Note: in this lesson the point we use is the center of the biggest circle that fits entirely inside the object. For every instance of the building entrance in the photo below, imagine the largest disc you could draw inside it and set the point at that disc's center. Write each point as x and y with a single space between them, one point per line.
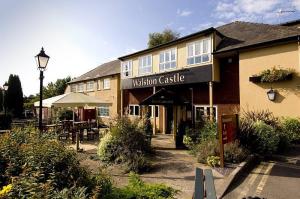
169 119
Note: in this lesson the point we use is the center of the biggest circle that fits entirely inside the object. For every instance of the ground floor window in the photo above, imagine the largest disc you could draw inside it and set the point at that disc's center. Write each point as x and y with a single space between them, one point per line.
202 112
134 110
103 111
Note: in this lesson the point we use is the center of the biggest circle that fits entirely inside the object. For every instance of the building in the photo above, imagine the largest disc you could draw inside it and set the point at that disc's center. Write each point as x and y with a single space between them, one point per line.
206 74
102 82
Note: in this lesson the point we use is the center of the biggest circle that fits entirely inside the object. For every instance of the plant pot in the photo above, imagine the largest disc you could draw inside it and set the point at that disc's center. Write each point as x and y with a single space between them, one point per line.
255 79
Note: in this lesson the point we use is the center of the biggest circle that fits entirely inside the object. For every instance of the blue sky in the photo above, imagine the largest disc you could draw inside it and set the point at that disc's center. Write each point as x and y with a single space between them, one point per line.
78 35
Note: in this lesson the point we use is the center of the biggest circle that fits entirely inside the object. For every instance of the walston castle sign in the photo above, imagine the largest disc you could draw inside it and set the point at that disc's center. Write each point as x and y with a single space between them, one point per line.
185 76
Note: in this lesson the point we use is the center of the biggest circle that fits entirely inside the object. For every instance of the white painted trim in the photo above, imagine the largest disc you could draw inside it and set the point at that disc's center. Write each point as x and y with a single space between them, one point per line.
139 59
205 106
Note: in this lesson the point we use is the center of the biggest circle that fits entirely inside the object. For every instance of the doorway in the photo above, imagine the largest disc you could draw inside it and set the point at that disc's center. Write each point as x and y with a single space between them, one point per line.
169 119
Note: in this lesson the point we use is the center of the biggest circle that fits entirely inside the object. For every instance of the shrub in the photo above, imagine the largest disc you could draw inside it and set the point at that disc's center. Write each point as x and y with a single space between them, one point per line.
65 115
141 190
213 161
267 138
205 149
5 121
291 128
234 152
275 74
126 143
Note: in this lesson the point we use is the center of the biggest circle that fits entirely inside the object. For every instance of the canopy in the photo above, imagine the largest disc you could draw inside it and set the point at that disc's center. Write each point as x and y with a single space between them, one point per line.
164 97
78 100
49 102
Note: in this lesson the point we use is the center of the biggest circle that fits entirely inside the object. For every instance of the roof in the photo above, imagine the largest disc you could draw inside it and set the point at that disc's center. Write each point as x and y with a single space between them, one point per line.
291 23
48 102
78 99
188 37
245 34
106 69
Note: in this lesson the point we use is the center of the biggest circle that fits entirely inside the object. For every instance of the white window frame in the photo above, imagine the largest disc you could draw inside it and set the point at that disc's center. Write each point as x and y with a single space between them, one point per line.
106 83
152 110
134 107
206 108
73 88
201 54
90 86
103 107
80 87
168 62
141 66
126 72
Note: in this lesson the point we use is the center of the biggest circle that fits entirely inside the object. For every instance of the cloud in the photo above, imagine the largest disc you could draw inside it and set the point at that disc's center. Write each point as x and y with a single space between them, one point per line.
202 26
184 12
253 10
181 28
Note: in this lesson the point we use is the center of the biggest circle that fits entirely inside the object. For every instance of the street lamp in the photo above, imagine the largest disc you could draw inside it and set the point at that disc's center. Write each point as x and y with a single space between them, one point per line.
42 61
5 87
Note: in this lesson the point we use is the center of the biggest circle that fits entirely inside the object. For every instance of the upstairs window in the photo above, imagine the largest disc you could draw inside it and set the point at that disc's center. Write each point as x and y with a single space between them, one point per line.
73 88
145 64
167 60
126 68
80 87
199 51
134 110
106 83
90 86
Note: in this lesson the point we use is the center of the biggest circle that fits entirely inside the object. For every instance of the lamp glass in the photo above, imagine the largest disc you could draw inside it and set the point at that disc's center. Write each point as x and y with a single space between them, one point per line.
271 95
5 86
42 60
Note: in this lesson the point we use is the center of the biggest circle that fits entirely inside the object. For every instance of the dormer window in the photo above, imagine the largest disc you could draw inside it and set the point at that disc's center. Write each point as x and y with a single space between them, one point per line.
199 51
145 64
126 67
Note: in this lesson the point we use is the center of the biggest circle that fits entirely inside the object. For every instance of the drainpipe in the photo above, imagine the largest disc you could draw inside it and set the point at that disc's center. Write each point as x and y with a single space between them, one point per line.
154 113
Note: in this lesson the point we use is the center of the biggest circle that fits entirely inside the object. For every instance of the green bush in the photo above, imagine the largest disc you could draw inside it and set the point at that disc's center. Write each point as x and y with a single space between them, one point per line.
65 115
275 74
213 161
234 152
291 128
205 149
140 190
126 143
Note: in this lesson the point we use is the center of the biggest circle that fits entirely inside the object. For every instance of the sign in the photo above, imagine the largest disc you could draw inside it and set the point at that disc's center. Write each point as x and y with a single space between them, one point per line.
228 128
185 76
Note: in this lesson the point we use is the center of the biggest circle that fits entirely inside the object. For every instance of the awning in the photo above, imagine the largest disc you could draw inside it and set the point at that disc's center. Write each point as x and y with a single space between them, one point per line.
164 97
78 100
49 102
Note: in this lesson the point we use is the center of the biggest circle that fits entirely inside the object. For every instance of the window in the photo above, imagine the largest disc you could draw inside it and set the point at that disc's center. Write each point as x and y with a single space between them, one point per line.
98 85
103 111
167 60
134 110
156 111
199 51
145 64
80 87
126 68
203 112
90 86
73 88
106 83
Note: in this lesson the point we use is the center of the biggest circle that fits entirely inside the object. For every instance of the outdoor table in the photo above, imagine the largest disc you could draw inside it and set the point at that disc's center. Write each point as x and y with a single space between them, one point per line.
52 127
4 131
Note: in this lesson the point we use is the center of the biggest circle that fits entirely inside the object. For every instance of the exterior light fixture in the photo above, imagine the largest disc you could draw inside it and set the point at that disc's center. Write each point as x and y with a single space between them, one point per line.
5 86
271 94
42 61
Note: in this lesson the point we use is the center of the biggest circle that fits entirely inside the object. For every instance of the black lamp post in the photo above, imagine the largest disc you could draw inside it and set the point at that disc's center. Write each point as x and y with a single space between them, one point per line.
42 61
5 86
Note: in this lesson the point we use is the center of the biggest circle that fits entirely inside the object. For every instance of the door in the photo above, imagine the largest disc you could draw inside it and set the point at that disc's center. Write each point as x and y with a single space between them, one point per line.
169 119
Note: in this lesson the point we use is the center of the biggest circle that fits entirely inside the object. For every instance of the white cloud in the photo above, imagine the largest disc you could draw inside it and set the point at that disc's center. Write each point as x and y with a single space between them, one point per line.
181 28
184 12
202 26
253 10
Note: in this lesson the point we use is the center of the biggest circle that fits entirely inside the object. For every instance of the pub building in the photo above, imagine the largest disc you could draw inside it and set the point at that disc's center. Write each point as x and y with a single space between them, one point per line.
206 75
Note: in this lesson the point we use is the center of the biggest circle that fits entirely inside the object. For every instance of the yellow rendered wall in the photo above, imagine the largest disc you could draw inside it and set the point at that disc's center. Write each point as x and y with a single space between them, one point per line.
181 57
253 96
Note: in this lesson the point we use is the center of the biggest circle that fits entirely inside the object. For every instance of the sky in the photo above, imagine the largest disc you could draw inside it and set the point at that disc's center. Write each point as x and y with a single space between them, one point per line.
79 35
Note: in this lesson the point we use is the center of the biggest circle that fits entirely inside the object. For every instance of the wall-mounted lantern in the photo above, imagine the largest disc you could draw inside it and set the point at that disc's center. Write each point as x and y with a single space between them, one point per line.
271 94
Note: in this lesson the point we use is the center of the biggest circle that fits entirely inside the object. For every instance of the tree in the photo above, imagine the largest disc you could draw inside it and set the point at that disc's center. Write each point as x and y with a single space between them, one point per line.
1 100
14 96
157 38
57 88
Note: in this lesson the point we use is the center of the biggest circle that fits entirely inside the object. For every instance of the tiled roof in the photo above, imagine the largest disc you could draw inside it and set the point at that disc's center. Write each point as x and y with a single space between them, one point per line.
106 69
245 34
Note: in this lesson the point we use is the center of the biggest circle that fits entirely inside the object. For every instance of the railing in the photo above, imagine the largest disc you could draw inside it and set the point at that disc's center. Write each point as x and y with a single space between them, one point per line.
204 184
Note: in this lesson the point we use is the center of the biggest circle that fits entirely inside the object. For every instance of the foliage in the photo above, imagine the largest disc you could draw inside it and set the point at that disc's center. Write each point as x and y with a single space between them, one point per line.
5 121
65 115
1 100
213 161
5 190
148 129
291 128
274 74
157 38
205 149
141 190
14 96
57 88
126 143
234 152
